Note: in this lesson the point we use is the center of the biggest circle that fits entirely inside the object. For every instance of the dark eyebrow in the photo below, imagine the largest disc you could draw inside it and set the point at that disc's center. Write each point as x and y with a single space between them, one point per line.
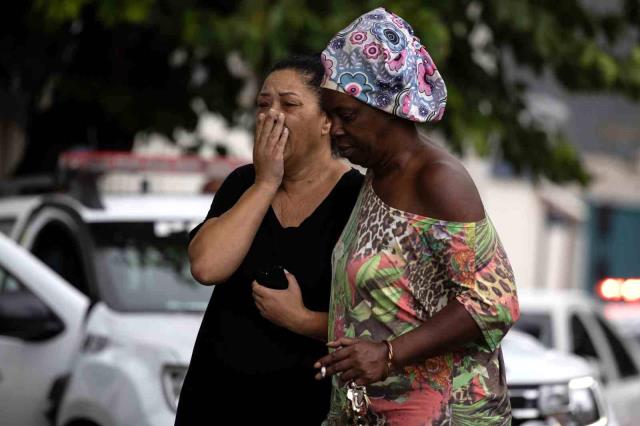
288 93
264 94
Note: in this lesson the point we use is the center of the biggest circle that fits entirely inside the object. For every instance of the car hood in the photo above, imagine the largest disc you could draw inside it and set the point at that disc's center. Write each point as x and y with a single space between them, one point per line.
528 362
173 332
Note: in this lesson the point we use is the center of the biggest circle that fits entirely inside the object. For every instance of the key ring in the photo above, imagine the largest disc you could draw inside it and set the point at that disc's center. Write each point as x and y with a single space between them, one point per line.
359 402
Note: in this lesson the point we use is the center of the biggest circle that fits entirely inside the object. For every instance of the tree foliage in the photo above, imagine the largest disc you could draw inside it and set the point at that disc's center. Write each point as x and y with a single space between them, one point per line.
95 72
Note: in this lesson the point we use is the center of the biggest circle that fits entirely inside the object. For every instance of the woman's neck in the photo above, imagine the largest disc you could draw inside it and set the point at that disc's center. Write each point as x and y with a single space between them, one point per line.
399 147
305 173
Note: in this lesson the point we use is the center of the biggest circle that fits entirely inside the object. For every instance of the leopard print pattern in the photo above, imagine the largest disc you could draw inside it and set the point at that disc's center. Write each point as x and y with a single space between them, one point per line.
392 271
381 228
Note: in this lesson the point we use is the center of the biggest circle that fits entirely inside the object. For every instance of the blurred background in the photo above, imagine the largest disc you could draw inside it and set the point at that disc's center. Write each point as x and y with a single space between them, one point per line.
120 118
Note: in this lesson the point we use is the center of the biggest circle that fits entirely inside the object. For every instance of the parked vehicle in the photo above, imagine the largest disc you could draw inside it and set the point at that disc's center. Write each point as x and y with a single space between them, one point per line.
108 344
41 332
107 367
128 301
571 322
126 368
550 387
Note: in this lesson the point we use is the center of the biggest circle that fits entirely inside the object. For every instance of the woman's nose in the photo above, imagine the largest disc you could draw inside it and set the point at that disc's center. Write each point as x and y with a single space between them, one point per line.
336 128
274 112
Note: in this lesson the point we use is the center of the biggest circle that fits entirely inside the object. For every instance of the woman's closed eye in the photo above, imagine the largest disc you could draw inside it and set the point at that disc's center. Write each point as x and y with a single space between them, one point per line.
263 104
346 117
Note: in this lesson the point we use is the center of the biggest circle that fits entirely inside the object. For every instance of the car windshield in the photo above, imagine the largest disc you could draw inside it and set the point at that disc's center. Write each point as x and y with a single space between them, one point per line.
144 267
537 325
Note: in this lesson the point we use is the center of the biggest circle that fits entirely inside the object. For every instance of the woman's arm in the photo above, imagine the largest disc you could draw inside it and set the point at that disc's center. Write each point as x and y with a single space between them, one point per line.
222 243
286 309
366 361
458 323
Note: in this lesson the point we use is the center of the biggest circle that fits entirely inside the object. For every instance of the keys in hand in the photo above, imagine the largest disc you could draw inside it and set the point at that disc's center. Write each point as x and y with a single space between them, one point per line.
358 403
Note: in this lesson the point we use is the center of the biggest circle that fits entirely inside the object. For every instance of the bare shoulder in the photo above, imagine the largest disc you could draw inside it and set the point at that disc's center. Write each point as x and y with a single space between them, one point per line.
446 191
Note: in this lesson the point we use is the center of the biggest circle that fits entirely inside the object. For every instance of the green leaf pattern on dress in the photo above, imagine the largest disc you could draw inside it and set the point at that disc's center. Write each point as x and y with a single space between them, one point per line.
392 270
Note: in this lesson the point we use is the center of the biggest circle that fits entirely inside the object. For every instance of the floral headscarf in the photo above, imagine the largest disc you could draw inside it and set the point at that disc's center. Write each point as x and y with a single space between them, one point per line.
379 61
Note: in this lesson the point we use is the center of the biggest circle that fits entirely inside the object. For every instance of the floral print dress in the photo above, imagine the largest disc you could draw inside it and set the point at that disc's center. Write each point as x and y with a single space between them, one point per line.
392 270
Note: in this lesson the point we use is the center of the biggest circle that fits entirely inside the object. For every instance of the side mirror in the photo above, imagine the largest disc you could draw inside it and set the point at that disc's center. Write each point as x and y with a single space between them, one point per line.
24 316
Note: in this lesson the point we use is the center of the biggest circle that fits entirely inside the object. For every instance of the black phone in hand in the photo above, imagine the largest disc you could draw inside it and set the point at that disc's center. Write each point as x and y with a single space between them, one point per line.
272 277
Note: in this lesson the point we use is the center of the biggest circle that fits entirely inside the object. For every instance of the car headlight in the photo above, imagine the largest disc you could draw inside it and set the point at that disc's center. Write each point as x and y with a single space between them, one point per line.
578 402
172 380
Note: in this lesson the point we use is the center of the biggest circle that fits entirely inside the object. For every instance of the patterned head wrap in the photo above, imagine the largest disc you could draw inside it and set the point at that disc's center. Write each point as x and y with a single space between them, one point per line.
379 61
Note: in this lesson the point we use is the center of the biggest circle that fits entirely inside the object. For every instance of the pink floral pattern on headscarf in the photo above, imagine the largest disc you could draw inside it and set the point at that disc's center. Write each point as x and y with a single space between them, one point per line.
423 82
328 66
358 37
397 61
402 78
372 50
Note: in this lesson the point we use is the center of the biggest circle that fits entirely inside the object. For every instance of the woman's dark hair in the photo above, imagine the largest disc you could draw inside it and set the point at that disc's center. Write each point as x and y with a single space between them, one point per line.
310 66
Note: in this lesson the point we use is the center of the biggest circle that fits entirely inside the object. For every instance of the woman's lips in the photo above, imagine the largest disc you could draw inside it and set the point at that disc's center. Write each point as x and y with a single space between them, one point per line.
344 150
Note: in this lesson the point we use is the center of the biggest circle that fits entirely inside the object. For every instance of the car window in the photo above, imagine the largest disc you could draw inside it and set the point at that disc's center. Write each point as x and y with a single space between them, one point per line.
6 225
8 284
582 344
58 248
624 361
144 266
537 325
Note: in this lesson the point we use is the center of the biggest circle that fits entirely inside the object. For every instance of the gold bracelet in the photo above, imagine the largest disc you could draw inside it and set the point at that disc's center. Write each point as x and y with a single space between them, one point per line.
389 356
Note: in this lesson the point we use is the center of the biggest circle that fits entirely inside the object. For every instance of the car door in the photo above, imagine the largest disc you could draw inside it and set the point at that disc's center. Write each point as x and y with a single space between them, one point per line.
583 345
624 389
590 340
41 330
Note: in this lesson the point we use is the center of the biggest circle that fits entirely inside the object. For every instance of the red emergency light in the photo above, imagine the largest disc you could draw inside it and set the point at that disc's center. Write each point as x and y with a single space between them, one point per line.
619 289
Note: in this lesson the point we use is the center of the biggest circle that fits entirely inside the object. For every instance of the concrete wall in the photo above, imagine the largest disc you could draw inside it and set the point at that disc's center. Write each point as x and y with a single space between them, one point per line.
543 253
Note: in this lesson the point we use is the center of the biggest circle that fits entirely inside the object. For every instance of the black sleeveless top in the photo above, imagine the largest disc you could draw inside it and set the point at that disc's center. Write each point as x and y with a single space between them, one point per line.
244 367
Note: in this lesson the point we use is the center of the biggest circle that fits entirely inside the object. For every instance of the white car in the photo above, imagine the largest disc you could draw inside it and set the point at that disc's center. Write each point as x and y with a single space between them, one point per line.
109 343
41 331
118 349
571 322
120 362
625 316
550 387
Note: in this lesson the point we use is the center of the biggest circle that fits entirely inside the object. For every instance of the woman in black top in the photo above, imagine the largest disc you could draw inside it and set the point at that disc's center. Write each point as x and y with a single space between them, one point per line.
253 358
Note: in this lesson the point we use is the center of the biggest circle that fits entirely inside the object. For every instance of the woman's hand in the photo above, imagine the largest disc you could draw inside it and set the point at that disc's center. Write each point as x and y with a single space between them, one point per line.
359 360
268 149
282 307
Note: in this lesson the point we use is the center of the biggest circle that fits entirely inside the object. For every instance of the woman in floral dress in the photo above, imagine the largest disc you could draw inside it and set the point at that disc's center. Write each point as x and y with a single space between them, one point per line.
422 290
